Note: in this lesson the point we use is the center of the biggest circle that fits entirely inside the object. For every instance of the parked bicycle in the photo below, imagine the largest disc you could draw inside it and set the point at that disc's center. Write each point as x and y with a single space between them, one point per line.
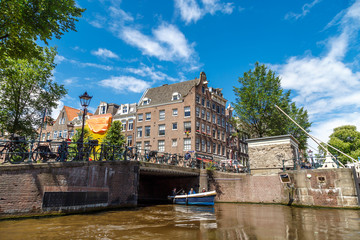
43 153
14 150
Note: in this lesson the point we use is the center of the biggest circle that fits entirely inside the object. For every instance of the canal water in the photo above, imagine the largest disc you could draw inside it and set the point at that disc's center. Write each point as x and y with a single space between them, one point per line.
223 221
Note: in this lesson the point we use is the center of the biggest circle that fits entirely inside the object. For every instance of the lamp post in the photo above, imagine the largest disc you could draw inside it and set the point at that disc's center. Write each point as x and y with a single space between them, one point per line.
85 101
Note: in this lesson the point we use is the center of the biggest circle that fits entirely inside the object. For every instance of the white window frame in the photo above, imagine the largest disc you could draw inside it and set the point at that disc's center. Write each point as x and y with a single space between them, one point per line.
187 144
161 145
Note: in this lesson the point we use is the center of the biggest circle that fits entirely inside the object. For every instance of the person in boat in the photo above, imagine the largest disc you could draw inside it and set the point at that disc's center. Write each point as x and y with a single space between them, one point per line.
173 192
191 191
203 190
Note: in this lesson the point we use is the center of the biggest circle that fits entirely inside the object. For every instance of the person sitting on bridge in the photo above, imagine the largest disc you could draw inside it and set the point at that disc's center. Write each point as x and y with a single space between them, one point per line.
191 191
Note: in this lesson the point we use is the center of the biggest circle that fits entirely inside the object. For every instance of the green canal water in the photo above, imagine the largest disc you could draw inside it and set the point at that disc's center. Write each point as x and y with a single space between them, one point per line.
223 221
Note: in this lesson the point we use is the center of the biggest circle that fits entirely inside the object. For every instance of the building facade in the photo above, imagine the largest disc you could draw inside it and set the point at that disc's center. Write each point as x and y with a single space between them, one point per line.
185 117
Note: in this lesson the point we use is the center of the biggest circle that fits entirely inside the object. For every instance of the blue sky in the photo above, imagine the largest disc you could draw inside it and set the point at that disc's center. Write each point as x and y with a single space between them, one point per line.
123 47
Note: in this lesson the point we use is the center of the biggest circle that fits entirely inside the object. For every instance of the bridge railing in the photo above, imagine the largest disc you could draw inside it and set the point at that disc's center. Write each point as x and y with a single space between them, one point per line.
19 150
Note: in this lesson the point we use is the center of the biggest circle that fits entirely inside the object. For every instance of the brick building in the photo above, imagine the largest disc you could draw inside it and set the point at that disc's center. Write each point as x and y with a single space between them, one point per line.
185 117
126 114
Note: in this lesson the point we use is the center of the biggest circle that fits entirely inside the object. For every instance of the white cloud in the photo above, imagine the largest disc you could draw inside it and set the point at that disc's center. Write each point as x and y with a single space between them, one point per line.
190 10
305 10
125 84
59 59
104 53
167 43
55 112
145 71
327 86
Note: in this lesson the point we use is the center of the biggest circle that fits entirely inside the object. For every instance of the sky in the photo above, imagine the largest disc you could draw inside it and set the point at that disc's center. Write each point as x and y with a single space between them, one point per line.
123 47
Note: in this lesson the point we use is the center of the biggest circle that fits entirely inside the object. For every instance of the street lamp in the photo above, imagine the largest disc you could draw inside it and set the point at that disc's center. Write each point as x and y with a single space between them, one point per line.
85 101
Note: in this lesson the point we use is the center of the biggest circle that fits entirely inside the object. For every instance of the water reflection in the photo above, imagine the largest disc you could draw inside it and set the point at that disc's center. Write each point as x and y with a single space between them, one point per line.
223 221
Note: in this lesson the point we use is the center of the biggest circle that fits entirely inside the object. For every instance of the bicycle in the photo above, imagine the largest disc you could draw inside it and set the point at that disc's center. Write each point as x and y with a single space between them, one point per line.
43 153
15 150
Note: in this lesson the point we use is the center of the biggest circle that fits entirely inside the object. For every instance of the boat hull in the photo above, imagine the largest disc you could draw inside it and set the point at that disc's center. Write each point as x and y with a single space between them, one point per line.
206 198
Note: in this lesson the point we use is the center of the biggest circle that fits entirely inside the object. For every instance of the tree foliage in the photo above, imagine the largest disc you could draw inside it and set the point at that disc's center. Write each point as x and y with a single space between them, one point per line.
26 88
346 139
23 22
114 135
260 90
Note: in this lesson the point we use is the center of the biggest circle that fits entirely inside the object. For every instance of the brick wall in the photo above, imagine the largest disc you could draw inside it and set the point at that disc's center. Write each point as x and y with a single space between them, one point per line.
246 188
37 189
323 187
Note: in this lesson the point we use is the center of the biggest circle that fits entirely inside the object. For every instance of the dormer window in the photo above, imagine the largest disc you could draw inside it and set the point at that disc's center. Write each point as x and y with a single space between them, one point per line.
103 109
146 101
124 109
175 96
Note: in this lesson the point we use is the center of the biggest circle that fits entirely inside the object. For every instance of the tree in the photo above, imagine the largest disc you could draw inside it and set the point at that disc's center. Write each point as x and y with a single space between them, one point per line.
255 107
26 88
23 22
346 139
114 135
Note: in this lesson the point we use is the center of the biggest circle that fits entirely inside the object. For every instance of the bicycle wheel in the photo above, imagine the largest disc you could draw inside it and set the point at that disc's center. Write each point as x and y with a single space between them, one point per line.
17 155
35 155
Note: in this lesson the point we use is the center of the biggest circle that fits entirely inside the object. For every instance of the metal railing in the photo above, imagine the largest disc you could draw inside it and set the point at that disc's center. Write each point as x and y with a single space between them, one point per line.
18 150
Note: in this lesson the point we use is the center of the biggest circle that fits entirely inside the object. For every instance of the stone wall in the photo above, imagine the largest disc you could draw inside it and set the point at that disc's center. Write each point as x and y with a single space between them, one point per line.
231 187
66 187
322 187
271 156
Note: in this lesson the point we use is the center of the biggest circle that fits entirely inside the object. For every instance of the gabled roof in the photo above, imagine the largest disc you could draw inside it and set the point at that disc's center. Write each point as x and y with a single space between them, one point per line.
73 112
163 94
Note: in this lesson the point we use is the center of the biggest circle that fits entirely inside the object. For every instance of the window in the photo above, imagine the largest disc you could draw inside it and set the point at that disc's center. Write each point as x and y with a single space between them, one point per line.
148 116
208 104
138 146
146 101
140 117
214 118
174 142
203 89
162 130
55 135
62 120
219 149
187 126
203 101
187 111
129 140
214 106
203 145
147 131
123 125
218 120
197 112
175 112
175 96
147 145
162 115
65 133
43 137
197 98
223 122
208 147
214 147
218 134
187 144
223 151
222 135
197 126
208 116
223 111
124 109
174 126
203 128
71 134
60 134
161 146
131 125
139 132
197 144
208 130
202 113
214 133
217 109
103 109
